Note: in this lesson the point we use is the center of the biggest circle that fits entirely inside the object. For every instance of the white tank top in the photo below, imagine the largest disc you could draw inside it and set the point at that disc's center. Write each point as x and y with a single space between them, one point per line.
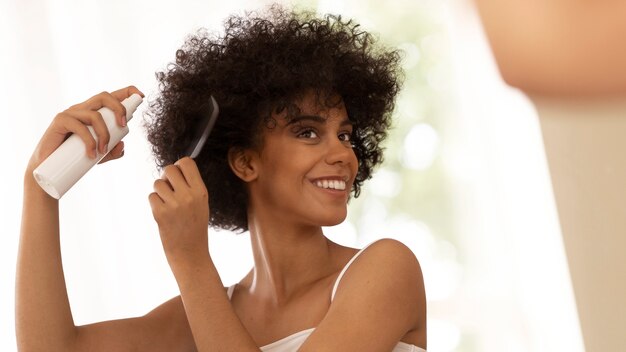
294 341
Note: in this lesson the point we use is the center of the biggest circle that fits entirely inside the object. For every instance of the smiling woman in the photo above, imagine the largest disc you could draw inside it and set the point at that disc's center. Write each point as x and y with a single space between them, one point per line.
305 103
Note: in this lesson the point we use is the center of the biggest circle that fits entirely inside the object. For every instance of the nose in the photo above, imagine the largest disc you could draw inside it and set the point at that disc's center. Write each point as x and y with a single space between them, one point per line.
339 152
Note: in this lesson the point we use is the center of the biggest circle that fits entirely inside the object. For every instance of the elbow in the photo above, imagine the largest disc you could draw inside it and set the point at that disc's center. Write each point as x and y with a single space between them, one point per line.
533 79
513 71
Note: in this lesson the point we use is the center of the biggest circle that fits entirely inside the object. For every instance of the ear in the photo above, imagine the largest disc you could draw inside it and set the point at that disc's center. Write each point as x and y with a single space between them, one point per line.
243 163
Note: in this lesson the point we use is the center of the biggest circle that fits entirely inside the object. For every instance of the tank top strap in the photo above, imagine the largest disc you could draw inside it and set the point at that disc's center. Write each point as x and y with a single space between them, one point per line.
230 290
345 268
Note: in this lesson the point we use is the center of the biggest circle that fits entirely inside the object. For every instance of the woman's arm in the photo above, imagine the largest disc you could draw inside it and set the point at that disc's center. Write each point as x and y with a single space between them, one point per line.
213 322
380 299
558 47
164 329
42 311
181 209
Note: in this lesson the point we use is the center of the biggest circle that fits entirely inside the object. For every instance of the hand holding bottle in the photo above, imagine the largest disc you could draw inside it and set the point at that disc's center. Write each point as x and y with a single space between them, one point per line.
79 120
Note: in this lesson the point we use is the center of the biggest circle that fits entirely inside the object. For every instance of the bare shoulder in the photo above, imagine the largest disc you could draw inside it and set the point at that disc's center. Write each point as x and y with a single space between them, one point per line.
397 274
388 260
382 292
391 250
165 328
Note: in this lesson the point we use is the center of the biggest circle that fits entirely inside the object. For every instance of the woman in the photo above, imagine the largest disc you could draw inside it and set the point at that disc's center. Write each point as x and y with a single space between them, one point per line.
304 105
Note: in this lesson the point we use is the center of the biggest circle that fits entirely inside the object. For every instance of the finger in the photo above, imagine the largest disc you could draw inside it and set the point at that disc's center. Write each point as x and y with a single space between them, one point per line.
155 202
124 93
94 118
164 190
105 99
115 153
173 174
73 125
189 169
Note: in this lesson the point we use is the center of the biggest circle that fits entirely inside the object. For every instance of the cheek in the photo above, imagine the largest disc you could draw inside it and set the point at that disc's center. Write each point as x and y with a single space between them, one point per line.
285 172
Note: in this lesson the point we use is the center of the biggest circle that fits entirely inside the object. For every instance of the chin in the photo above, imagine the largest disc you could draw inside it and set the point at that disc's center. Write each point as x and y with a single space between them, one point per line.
333 220
326 215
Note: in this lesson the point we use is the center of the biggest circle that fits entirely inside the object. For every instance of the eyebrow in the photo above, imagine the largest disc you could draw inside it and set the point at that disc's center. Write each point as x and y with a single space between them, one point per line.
316 119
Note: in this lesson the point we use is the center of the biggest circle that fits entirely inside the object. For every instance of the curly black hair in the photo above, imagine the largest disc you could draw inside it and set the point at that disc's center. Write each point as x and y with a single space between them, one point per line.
260 65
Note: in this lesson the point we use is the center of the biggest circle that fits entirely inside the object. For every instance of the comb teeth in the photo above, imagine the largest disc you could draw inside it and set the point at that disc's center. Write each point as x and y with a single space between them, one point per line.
203 130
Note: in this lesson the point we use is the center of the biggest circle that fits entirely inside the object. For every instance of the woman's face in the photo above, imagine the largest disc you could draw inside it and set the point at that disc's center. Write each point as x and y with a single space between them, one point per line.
307 165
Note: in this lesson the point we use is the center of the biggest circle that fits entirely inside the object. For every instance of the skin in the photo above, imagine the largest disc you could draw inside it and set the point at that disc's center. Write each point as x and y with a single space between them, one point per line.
287 291
566 48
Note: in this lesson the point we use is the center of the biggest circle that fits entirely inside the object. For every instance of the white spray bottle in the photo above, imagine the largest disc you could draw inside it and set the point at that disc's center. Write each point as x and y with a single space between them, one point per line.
69 162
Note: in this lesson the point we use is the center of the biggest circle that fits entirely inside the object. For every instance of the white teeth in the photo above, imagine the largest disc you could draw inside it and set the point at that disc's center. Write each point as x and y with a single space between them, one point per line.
331 184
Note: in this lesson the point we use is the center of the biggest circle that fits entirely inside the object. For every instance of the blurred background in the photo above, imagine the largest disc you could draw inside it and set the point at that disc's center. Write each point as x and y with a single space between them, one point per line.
465 182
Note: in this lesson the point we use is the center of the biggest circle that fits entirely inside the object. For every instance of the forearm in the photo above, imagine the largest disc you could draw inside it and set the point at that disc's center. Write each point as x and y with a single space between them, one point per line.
43 319
214 324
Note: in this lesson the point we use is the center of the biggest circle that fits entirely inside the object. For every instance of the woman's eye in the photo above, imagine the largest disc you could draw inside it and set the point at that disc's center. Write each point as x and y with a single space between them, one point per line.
345 137
307 134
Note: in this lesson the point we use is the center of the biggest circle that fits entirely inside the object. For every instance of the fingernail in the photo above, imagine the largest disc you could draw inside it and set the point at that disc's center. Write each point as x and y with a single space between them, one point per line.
123 121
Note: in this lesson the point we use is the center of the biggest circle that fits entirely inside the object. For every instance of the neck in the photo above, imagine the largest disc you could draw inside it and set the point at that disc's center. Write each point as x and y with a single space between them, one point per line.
287 258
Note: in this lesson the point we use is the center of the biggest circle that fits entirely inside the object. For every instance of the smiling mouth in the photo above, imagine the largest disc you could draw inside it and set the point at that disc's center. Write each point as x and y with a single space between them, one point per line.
331 184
